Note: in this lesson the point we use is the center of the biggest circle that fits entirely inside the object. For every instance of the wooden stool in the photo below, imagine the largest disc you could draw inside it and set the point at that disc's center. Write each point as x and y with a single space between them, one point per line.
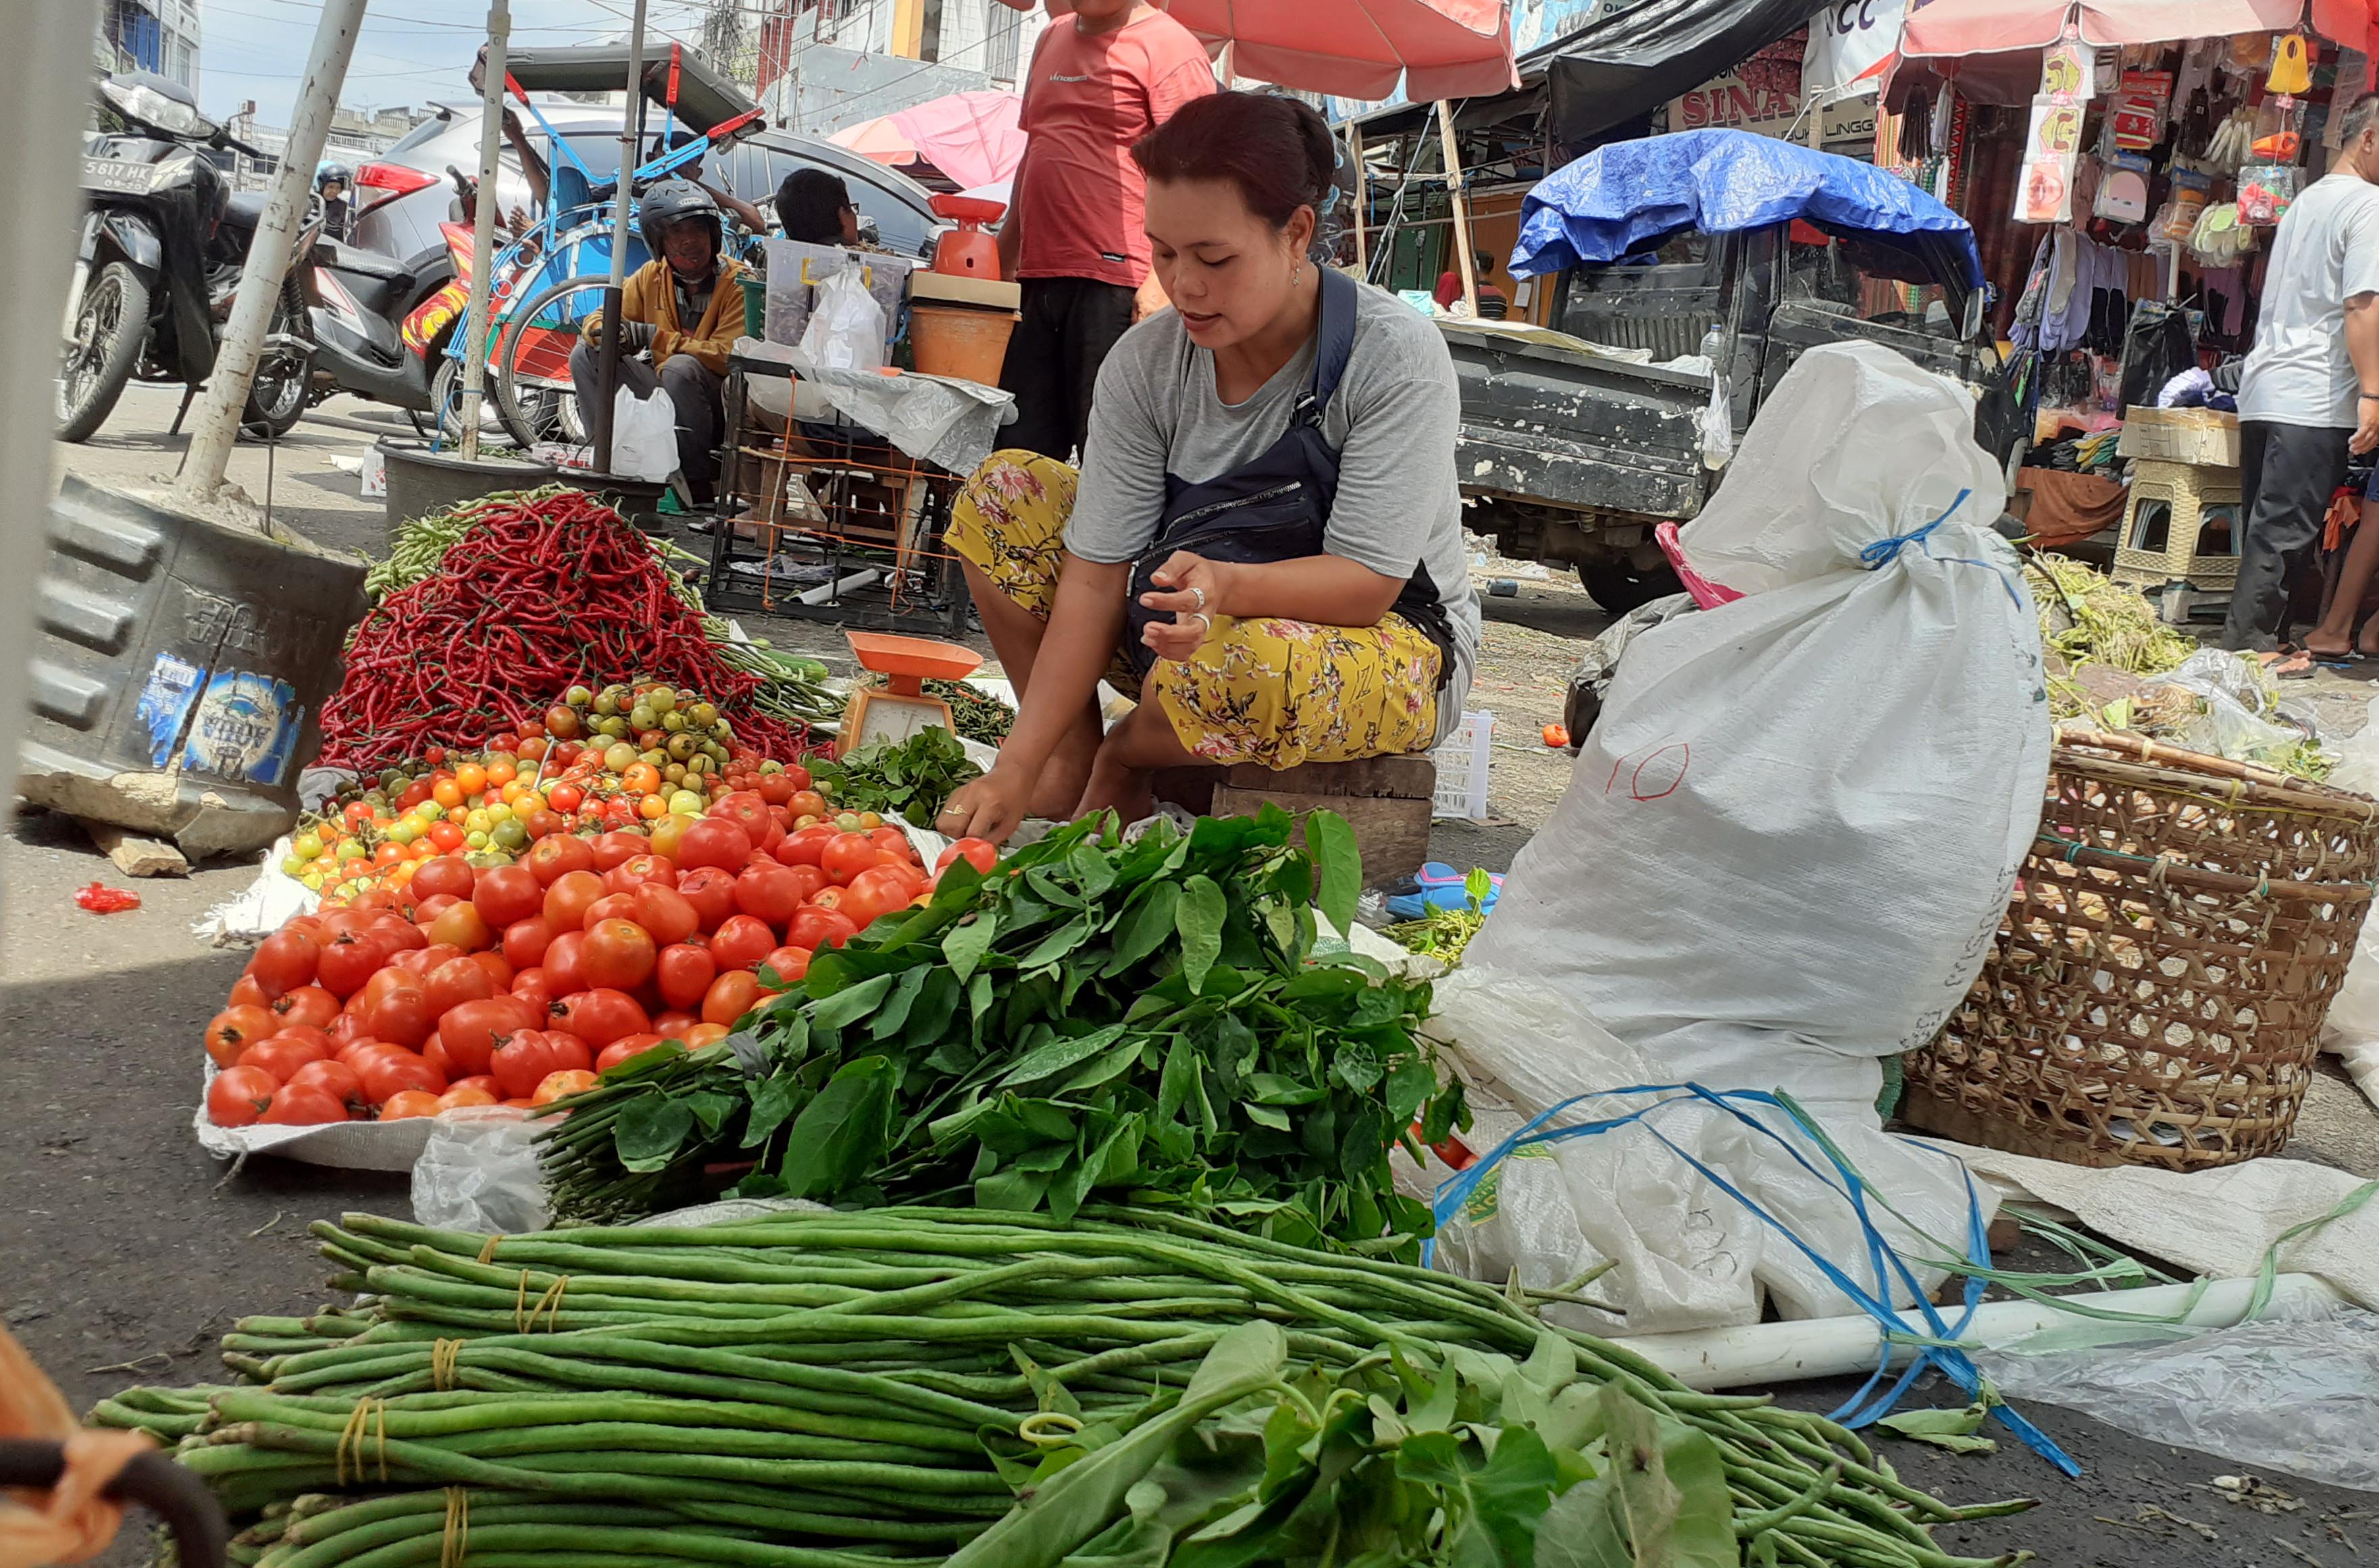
1387 800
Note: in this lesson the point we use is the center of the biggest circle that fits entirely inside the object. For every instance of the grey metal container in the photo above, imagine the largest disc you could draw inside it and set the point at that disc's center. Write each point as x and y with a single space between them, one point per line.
178 671
421 482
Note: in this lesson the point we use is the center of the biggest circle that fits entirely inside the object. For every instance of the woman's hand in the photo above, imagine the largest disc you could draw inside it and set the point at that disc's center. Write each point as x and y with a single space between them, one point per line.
1195 590
990 807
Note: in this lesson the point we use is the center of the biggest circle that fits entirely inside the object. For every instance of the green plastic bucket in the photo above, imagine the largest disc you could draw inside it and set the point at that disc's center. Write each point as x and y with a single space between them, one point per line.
755 305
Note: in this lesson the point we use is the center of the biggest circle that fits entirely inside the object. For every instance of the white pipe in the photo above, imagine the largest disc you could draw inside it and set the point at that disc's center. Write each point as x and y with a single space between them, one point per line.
483 227
268 255
827 593
1757 1355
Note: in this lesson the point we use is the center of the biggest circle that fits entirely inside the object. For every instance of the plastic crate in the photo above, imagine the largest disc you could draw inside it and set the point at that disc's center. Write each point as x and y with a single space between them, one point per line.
1462 766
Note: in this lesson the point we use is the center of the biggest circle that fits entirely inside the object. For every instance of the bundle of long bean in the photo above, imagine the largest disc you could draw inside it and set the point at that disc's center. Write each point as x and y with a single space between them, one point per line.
803 1388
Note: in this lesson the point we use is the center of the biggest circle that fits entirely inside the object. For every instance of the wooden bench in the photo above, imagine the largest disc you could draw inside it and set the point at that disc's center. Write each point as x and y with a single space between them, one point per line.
1387 800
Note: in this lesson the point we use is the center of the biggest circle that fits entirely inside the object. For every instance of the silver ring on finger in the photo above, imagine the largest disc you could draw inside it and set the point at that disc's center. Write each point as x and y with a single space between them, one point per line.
1200 594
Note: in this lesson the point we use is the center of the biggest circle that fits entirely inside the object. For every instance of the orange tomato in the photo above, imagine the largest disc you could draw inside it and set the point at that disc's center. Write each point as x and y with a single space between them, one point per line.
500 772
471 778
642 778
453 1099
570 1081
447 794
652 808
407 1103
703 1034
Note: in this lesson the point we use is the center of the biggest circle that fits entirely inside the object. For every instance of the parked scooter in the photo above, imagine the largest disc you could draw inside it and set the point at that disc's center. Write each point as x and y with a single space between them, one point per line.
164 243
361 310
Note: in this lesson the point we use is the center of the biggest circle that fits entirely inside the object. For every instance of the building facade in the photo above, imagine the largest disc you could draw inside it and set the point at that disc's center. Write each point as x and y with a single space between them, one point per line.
825 64
149 35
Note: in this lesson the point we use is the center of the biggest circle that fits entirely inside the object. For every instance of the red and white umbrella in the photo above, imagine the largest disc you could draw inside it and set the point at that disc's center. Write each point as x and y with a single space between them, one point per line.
1353 48
970 137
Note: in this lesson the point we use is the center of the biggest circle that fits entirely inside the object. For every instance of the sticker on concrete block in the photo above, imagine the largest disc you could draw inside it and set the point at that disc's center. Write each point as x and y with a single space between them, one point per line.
238 725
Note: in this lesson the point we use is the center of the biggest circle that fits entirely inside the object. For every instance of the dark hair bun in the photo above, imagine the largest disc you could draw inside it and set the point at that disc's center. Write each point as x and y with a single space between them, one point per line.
1275 150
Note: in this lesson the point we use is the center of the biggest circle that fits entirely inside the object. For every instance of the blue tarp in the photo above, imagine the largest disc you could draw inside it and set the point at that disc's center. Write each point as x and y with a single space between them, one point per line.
1631 197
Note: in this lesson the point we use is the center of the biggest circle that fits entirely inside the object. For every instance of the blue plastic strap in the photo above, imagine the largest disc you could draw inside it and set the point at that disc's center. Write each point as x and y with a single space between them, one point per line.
1888 1267
1883 552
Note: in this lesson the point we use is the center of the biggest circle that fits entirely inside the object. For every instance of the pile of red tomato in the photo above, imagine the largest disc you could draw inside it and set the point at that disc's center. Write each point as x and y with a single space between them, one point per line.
517 984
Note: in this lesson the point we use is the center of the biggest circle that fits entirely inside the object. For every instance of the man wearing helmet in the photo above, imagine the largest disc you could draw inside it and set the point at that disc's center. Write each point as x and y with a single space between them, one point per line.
335 183
685 309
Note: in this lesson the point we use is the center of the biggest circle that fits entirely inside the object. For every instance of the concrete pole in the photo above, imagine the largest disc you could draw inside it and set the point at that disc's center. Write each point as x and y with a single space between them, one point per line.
268 256
44 104
608 354
483 230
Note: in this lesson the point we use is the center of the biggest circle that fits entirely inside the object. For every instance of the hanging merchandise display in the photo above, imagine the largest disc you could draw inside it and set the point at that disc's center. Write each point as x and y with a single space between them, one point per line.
2052 145
2291 66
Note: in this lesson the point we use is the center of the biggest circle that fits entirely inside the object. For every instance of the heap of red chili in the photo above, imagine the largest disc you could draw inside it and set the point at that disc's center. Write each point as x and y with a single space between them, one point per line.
541 594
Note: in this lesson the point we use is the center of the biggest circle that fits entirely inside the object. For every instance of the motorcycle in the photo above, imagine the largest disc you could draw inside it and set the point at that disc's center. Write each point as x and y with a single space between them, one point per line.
379 325
163 243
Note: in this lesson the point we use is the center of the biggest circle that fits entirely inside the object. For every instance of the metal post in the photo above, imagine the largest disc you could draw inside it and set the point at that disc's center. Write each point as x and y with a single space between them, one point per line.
1362 199
268 255
1461 205
483 228
44 102
607 354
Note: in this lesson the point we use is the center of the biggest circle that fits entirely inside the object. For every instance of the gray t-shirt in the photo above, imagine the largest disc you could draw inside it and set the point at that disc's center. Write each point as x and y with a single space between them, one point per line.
2326 252
1393 420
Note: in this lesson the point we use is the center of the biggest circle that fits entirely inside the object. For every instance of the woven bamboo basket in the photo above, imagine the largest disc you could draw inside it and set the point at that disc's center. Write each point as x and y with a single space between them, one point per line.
2155 994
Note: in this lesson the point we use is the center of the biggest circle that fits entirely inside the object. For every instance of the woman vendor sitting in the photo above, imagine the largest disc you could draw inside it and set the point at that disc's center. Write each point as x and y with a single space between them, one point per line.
1264 541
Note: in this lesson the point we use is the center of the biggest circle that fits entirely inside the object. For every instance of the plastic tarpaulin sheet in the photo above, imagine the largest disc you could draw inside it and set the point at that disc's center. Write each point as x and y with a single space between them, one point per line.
1992 27
1630 197
1630 63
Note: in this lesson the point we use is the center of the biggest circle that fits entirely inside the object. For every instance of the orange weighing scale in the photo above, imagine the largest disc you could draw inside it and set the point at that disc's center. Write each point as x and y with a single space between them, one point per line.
897 709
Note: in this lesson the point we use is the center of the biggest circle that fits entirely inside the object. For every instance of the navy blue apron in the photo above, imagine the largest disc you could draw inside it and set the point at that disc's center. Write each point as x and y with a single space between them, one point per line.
1276 505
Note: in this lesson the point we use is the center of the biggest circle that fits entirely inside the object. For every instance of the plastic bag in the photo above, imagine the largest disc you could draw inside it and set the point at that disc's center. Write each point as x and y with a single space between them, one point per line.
2299 1394
2265 193
846 325
479 1171
1689 1255
2351 1030
1797 823
643 435
2240 716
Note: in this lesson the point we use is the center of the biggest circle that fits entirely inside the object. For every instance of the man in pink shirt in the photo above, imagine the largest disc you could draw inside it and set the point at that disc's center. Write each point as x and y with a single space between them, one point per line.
1101 79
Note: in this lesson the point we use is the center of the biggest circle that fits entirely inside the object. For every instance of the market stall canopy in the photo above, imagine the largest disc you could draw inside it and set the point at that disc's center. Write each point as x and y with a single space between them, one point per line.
1951 28
970 137
1632 61
704 97
1352 48
1630 198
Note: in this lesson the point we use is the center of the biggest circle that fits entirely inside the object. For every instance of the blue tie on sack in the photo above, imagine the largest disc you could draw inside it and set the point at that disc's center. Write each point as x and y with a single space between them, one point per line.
1935 1348
1883 552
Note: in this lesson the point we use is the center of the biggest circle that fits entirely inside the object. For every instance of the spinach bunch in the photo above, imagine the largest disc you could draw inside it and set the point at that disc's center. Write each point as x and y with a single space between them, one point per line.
1475 1463
912 776
1145 1018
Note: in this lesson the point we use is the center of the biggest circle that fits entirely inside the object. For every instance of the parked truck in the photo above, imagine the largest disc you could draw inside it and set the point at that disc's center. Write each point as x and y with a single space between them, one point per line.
1672 260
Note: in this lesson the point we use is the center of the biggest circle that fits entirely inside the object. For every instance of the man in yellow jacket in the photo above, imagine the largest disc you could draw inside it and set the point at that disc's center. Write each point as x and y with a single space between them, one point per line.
685 309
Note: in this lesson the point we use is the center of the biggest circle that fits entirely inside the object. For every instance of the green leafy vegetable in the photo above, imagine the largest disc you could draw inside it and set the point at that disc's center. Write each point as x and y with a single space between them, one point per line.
1142 1016
912 776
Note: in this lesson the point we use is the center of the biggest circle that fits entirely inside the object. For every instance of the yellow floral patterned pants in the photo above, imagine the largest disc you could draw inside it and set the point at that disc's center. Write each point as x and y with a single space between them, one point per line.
1279 693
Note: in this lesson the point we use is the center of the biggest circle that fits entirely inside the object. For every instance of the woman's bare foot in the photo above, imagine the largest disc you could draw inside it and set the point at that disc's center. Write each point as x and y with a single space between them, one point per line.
1114 787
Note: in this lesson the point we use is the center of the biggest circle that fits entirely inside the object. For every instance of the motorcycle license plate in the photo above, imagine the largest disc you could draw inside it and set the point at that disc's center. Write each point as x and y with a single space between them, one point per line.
111 174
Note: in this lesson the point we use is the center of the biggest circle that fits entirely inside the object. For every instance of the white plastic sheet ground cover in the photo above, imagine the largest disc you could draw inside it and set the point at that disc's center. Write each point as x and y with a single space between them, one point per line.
2293 1393
1785 851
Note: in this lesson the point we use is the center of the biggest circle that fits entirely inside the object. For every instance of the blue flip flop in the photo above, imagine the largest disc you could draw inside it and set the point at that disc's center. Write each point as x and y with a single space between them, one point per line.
1440 886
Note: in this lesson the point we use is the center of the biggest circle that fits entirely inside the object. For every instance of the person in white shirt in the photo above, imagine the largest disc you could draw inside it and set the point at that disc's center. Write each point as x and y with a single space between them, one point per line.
2310 393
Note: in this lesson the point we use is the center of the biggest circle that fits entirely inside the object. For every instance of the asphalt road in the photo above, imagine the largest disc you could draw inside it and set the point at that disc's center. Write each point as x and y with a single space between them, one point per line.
124 1251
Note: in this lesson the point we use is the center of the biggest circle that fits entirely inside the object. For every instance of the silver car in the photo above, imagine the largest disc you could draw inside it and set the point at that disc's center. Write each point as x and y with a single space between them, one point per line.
405 193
